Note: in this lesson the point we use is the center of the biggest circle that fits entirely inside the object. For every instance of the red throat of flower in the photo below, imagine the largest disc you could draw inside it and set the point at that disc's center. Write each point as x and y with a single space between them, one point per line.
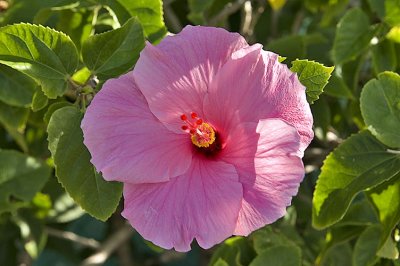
202 134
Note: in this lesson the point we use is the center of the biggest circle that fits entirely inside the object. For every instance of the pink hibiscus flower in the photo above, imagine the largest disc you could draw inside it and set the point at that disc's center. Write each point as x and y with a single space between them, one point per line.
207 133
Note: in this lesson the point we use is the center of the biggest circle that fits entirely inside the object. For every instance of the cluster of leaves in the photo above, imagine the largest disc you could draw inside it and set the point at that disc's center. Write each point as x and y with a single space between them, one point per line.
354 198
56 54
51 65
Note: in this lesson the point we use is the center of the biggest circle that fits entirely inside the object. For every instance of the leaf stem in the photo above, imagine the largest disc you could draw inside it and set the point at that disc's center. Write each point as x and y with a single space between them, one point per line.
229 9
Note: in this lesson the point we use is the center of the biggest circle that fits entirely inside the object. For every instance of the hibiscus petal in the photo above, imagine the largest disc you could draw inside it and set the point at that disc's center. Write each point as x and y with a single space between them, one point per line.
127 142
203 204
175 75
253 85
265 156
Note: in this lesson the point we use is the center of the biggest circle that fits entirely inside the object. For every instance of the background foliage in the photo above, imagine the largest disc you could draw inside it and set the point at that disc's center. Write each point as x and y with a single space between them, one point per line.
56 54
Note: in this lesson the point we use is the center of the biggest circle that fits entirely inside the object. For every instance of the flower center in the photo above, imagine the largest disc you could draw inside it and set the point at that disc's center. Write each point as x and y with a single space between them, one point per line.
201 133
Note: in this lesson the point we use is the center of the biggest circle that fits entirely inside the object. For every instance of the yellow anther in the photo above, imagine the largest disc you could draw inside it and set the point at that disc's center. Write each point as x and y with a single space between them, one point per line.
203 136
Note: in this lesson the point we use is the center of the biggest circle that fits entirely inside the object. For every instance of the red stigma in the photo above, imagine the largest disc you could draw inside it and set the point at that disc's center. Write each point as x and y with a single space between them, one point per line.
193 115
185 127
183 117
199 122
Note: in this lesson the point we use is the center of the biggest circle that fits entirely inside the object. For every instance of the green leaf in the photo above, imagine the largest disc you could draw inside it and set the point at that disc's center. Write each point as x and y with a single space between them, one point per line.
367 246
235 251
32 232
384 56
46 55
73 168
389 250
16 89
25 10
9 232
340 234
64 209
220 262
21 177
392 12
267 238
359 213
198 9
74 19
313 75
292 47
378 6
113 53
394 34
337 87
338 255
150 15
386 199
39 100
14 120
359 163
279 256
54 107
353 35
380 108
13 117
76 23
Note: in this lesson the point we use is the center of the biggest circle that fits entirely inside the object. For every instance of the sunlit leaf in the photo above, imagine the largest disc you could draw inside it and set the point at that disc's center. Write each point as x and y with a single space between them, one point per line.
386 199
394 34
392 12
150 15
48 56
359 163
380 108
313 75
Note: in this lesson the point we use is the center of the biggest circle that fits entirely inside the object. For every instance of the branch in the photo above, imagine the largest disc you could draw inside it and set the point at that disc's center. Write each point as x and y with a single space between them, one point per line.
229 9
109 246
247 17
87 242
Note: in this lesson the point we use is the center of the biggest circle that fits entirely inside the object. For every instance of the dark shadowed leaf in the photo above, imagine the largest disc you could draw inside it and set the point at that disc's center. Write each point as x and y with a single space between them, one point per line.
367 246
73 168
353 35
21 177
384 56
39 100
279 256
16 89
236 251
